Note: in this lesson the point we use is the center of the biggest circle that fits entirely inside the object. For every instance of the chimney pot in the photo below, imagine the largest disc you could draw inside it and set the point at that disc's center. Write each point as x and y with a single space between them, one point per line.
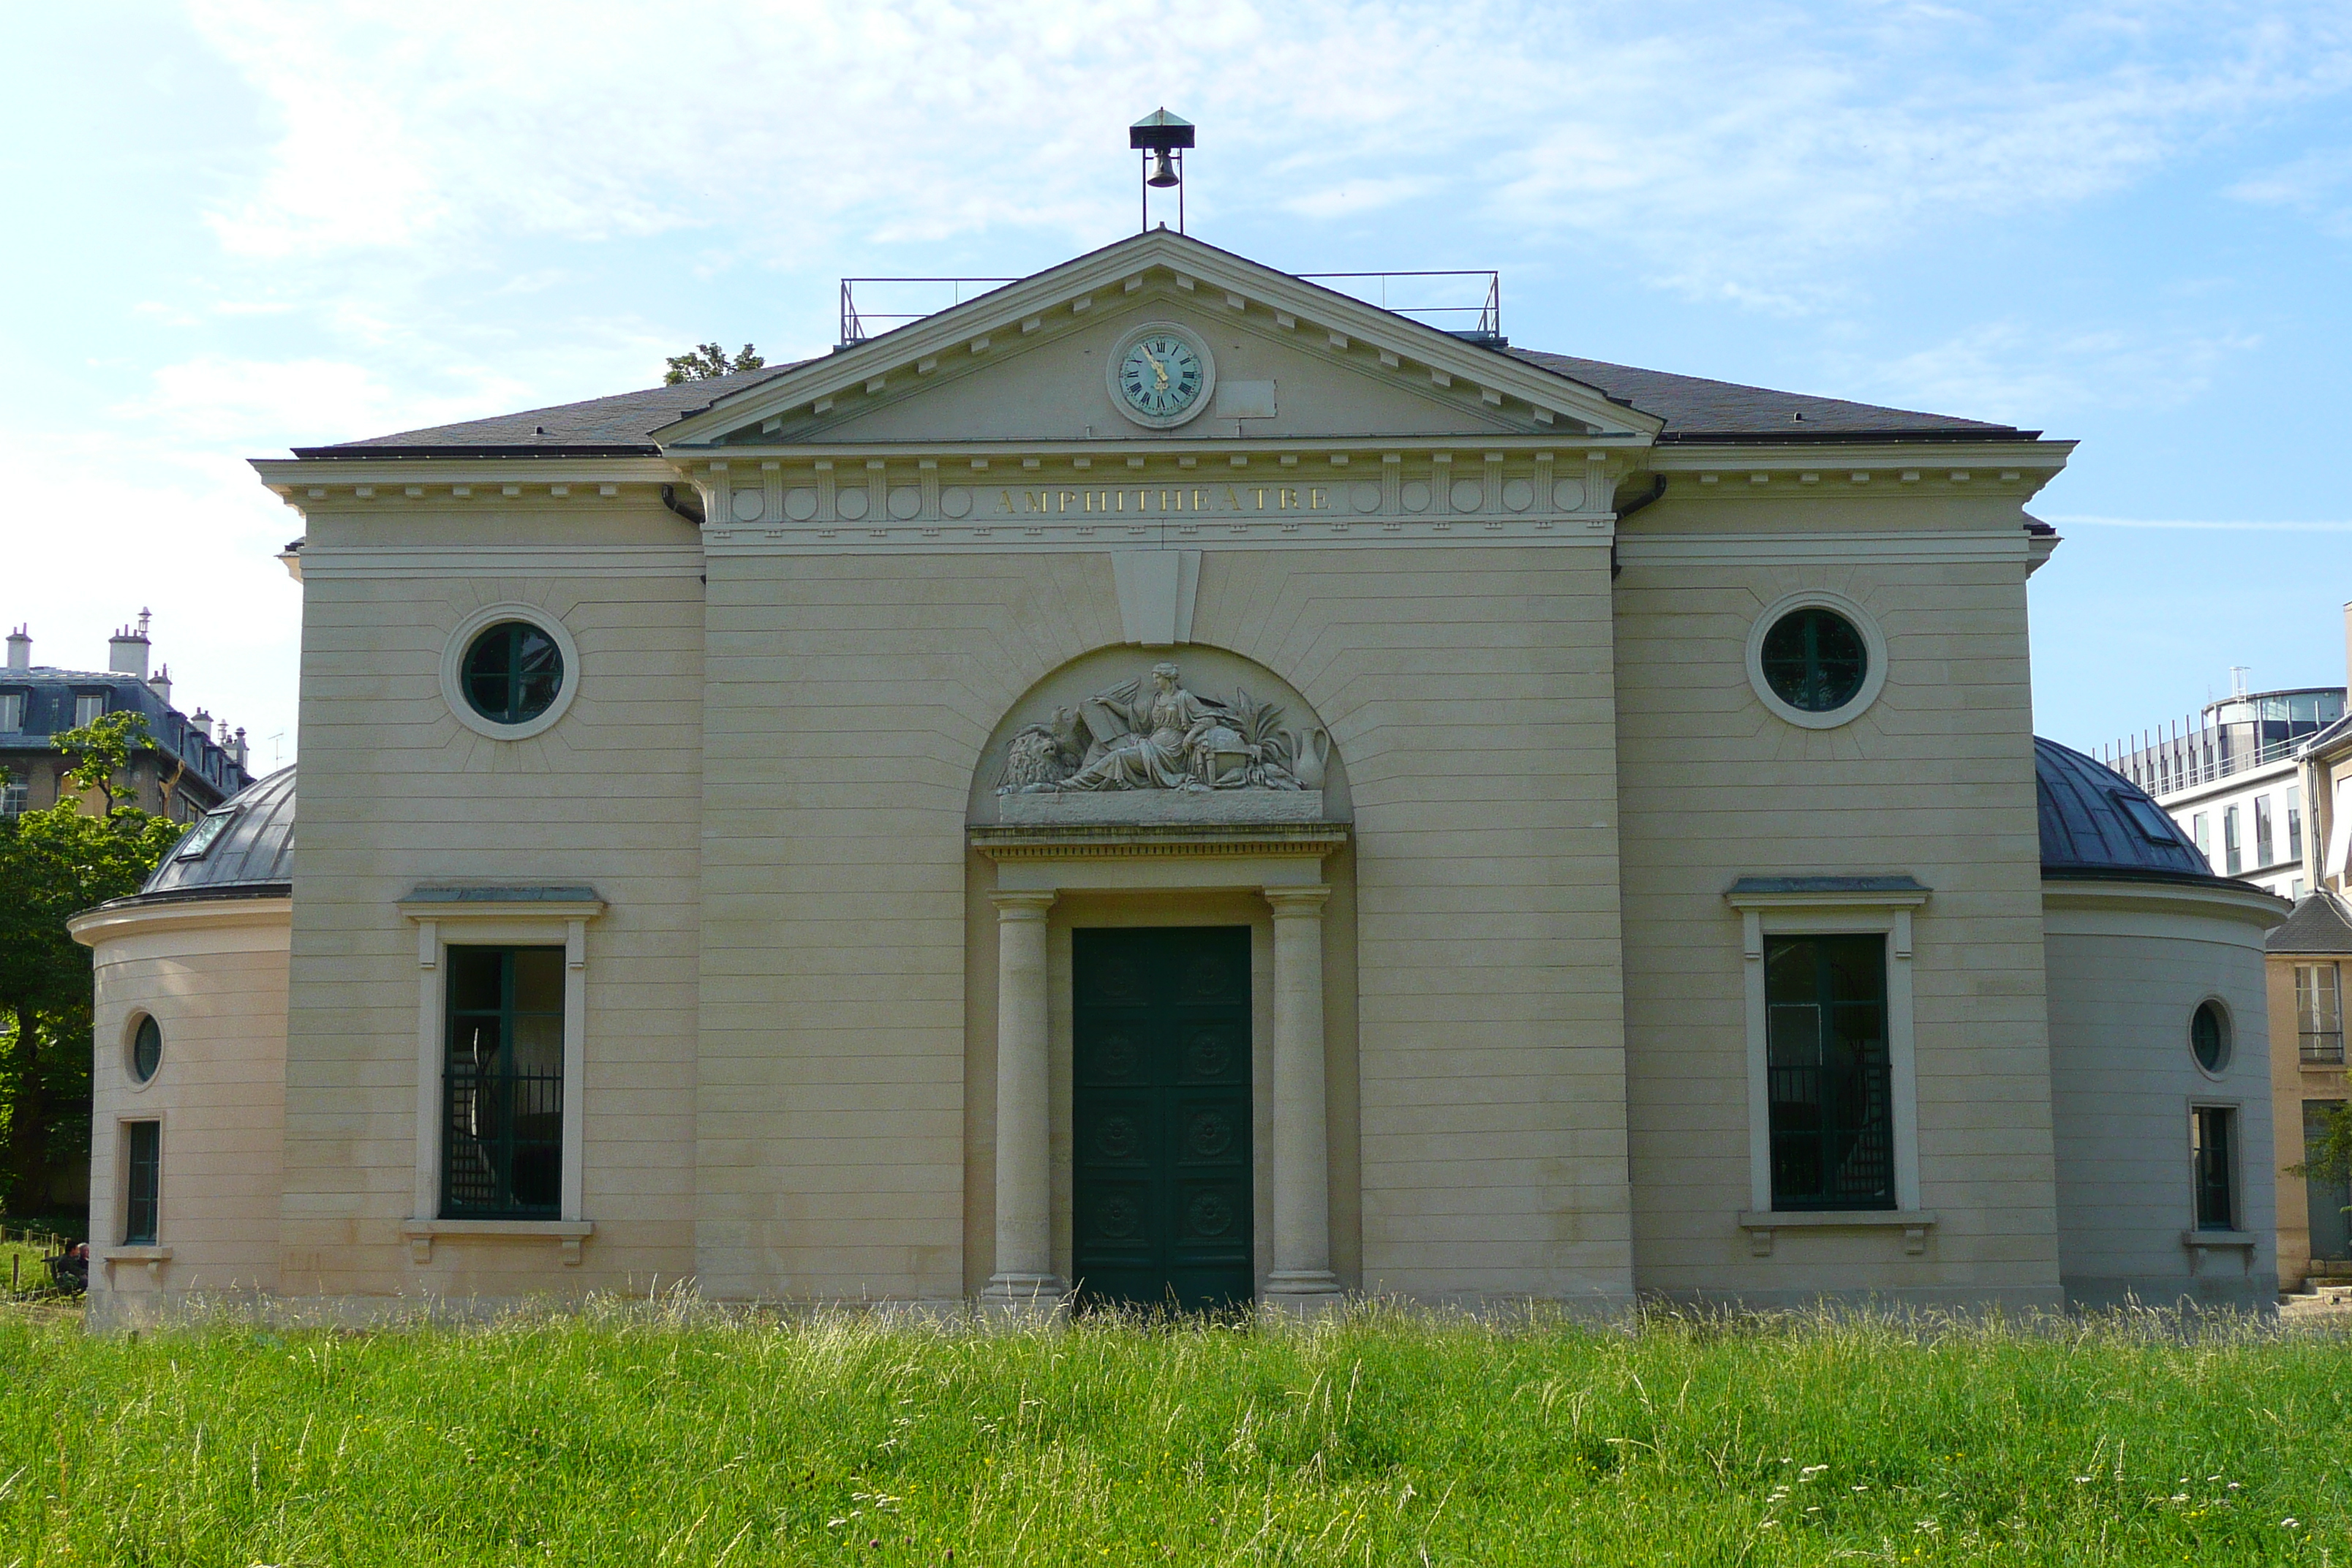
127 651
160 683
20 649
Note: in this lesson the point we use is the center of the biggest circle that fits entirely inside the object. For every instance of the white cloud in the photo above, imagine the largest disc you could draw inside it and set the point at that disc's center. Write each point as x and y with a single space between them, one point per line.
2318 185
1749 154
217 401
2009 370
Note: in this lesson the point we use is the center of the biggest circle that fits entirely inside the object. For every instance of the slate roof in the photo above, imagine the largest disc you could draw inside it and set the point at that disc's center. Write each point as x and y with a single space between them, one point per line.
2321 922
251 857
2091 831
616 426
49 693
1697 409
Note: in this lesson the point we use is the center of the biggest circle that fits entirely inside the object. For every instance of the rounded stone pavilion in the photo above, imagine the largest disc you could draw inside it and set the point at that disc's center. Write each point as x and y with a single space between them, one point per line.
188 1086
2159 1072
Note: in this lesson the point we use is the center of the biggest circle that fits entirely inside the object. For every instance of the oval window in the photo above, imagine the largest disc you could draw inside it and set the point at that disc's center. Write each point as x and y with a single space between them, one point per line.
1815 659
512 672
146 1049
2208 1036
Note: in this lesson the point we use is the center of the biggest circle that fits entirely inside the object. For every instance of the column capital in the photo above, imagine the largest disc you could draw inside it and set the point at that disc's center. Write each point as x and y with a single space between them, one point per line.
1296 901
1022 906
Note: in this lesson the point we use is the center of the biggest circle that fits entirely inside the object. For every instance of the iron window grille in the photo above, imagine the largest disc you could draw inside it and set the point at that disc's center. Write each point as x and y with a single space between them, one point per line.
2212 1132
1830 1079
502 1085
143 1195
2319 1012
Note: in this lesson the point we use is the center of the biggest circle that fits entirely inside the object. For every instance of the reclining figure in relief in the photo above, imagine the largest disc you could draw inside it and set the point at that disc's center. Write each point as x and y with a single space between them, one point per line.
1166 737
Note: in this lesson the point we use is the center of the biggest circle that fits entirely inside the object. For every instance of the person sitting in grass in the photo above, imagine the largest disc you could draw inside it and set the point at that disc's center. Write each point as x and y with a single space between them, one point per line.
70 1268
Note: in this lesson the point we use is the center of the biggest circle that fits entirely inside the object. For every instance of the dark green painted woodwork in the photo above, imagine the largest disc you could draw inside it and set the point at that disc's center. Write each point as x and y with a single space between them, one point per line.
1162 1115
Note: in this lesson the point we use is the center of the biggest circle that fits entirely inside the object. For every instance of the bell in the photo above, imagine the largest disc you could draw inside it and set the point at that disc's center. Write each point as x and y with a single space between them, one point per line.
1163 171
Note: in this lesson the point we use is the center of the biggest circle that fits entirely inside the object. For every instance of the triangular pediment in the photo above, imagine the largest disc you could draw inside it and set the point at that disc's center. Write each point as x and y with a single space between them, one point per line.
1029 362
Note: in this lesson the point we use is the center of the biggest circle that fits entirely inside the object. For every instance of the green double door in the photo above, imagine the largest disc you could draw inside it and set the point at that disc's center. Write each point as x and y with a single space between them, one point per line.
1160 1115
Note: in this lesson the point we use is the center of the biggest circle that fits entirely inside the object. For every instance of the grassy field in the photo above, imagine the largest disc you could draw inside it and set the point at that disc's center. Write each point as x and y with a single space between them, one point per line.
21 1262
639 1436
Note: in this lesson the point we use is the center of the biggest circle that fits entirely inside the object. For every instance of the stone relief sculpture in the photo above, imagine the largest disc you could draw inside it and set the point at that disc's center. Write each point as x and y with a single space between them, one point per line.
1163 738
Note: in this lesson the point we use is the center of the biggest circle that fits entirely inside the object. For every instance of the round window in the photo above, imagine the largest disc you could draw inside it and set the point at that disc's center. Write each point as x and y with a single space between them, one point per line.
146 1049
2208 1036
514 672
1815 659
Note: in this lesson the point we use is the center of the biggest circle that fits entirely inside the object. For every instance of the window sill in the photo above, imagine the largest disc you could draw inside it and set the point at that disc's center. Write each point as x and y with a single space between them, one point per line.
154 1257
568 1234
2203 1244
1915 1224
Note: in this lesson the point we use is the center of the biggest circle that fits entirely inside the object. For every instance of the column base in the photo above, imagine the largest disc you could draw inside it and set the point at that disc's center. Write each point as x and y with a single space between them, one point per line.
1023 1296
1302 1292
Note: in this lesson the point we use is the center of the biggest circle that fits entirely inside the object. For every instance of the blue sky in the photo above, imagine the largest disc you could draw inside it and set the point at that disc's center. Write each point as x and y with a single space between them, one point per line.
243 226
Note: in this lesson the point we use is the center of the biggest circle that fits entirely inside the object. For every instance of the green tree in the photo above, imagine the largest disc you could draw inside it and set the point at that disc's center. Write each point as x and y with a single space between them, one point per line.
2329 1157
708 360
54 863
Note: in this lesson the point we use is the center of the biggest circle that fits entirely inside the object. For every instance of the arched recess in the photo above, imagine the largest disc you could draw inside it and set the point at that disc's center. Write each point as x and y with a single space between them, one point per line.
1211 672
1280 863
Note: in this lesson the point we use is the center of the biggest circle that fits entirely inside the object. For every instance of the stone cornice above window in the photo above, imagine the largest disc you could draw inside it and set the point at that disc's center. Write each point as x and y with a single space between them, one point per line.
503 901
1897 892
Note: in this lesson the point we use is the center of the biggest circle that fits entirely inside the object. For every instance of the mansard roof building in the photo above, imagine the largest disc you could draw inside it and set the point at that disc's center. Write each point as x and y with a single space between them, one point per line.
1164 782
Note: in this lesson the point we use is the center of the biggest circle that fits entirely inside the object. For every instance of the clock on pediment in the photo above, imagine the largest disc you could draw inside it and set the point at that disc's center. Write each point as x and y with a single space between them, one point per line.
1162 374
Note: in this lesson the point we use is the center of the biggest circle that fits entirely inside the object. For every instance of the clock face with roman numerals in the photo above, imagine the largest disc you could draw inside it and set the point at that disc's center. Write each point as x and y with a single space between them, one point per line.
1162 375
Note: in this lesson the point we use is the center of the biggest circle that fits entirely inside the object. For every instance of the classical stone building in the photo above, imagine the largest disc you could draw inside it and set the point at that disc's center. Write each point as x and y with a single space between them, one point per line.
1167 780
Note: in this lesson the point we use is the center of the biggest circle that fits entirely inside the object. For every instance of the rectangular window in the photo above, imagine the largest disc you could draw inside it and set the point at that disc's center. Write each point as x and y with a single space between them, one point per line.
2230 840
2295 822
1831 1088
2295 890
2202 834
2212 1140
89 707
12 796
144 1190
2263 835
2319 1012
502 1084
12 712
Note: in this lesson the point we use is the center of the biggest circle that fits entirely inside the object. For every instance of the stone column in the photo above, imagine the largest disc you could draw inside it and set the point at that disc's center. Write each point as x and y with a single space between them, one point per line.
1025 1277
1302 1174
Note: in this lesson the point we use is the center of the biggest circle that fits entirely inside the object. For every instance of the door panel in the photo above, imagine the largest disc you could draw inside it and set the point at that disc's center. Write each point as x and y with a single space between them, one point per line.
2331 1235
1161 1116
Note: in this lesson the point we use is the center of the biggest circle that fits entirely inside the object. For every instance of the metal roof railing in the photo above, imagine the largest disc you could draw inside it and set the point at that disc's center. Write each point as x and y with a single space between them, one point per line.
1484 305
859 324
1464 302
2233 736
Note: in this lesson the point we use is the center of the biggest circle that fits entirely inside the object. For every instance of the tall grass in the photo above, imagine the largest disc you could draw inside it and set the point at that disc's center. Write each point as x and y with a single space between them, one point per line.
642 1436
